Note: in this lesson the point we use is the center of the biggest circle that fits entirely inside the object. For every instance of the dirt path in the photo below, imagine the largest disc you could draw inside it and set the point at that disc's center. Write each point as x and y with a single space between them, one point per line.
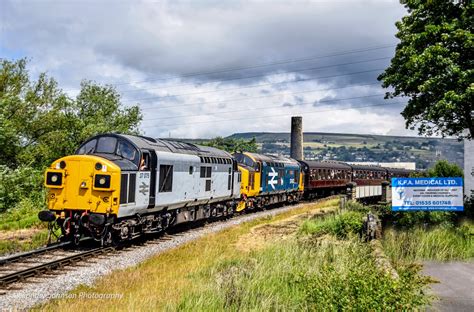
262 235
456 287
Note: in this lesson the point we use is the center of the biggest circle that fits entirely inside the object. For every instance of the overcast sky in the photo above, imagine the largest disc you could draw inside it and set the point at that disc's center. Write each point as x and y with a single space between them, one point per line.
208 68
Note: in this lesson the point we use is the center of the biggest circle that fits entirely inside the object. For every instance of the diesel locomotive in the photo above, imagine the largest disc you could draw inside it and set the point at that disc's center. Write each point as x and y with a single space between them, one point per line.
117 187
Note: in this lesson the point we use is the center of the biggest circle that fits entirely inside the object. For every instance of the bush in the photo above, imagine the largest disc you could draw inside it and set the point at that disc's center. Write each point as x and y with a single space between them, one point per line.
21 197
341 225
18 184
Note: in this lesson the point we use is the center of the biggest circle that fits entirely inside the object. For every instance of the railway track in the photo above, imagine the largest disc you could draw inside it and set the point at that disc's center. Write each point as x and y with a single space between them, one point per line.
32 253
47 260
20 267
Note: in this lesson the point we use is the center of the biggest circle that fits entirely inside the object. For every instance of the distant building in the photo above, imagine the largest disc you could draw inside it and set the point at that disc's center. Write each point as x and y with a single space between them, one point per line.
469 168
397 165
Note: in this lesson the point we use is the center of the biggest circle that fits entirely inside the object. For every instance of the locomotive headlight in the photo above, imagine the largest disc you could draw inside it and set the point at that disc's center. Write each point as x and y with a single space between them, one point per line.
54 179
102 181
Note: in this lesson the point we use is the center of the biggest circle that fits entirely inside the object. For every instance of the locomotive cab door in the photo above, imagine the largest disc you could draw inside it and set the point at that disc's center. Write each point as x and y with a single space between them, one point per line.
152 159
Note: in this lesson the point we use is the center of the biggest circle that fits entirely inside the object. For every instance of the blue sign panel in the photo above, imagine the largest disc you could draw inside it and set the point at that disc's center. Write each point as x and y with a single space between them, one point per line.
427 194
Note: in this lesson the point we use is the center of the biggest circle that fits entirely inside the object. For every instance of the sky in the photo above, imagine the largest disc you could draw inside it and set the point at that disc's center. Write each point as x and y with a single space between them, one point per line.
200 69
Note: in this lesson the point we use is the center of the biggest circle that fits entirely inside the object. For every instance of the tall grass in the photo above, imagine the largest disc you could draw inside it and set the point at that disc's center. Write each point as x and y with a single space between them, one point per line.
24 215
340 225
333 275
441 243
15 245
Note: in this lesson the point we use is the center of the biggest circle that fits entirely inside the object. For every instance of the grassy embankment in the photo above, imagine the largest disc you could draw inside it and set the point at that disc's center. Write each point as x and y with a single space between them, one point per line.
274 263
21 230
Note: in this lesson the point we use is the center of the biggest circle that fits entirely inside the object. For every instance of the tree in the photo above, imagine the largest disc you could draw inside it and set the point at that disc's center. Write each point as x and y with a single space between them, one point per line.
445 169
40 123
433 66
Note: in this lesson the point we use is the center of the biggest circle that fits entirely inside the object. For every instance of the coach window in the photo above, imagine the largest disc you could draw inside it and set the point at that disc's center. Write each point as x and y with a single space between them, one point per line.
191 169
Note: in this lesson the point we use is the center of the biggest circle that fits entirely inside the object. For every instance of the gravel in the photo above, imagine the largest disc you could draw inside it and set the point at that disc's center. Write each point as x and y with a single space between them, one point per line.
57 286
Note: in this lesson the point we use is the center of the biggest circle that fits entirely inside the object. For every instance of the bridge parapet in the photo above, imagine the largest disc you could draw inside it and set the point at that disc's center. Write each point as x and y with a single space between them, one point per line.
377 193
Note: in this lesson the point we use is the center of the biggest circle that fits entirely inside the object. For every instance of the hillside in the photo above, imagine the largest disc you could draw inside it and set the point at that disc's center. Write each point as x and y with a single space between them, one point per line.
362 147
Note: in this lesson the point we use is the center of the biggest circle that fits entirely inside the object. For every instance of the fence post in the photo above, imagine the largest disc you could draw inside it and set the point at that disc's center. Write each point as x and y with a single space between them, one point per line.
342 202
351 191
385 191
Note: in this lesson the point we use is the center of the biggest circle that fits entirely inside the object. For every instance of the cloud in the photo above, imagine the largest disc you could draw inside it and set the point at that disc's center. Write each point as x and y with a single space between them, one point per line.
152 51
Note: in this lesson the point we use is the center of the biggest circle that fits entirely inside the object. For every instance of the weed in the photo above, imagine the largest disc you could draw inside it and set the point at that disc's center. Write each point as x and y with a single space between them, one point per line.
442 243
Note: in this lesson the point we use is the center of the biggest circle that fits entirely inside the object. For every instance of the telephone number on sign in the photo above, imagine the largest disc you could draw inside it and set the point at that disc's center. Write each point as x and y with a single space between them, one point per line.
427 202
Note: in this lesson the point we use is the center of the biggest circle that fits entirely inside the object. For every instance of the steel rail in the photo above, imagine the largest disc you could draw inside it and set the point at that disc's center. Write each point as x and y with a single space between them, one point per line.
32 253
50 266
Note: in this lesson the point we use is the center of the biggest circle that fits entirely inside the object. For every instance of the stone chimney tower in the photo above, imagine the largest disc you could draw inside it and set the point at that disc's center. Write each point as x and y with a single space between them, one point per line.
296 144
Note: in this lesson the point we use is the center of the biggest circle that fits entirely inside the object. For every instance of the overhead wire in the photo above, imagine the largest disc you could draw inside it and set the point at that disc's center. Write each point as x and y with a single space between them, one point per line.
253 86
257 97
266 107
260 75
272 116
284 61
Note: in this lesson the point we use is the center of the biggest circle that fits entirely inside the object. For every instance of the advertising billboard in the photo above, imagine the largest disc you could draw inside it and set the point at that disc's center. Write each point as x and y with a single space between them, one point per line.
427 194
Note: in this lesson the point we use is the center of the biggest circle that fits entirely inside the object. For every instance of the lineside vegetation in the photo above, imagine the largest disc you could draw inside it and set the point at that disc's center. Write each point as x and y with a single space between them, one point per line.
291 268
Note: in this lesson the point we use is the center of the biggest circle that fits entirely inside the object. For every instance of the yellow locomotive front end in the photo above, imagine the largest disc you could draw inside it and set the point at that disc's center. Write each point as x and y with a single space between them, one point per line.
83 182
83 193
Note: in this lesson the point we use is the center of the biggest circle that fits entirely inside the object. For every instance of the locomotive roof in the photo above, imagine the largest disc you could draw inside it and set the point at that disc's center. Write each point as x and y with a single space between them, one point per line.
165 145
271 158
321 164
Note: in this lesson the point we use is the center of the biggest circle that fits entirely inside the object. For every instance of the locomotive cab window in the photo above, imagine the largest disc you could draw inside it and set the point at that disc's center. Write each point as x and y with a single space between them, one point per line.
88 148
145 162
106 145
127 151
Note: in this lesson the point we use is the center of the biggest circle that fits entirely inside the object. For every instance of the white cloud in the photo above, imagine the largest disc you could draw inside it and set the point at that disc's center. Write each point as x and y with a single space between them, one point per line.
138 42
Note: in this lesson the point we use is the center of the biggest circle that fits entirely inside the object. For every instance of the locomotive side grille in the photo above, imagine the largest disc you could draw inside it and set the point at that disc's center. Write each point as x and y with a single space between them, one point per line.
123 188
131 190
